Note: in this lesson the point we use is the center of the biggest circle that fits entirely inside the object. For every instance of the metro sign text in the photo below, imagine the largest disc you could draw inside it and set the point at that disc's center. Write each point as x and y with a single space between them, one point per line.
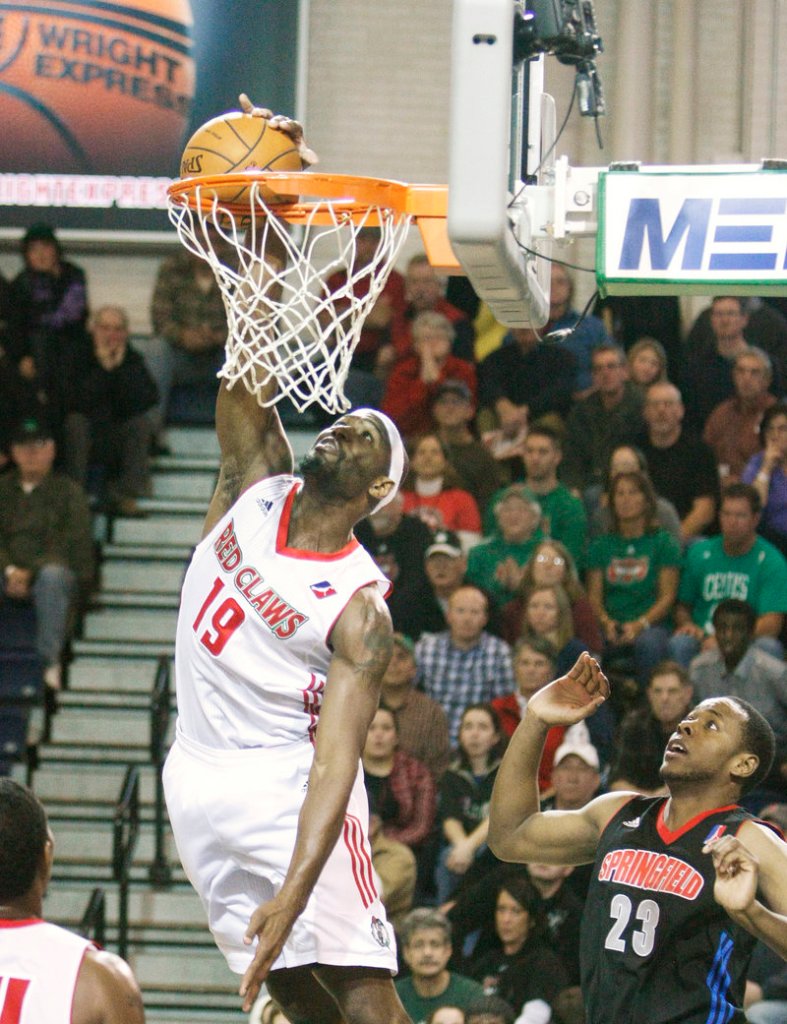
687 232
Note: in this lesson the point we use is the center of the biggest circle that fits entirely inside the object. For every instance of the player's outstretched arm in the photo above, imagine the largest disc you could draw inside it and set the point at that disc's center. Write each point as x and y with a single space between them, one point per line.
253 446
518 831
361 641
106 992
753 862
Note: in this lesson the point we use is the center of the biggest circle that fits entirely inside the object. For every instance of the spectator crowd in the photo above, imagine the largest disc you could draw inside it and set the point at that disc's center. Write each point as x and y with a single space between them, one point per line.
601 485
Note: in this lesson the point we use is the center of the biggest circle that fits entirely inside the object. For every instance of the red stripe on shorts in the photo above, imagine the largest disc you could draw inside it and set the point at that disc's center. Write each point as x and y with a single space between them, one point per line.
360 860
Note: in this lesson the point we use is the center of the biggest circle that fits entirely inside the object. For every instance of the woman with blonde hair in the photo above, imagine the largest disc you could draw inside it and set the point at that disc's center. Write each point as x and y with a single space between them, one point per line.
547 614
552 563
647 362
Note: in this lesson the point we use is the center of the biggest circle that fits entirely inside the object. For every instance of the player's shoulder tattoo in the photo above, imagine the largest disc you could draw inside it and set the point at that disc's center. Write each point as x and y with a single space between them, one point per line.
376 637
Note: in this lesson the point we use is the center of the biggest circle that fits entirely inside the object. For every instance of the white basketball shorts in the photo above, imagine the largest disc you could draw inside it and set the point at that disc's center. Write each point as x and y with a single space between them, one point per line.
234 814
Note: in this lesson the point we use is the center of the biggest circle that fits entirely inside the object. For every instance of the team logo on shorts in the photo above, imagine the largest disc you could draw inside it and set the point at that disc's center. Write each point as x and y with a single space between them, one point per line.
380 933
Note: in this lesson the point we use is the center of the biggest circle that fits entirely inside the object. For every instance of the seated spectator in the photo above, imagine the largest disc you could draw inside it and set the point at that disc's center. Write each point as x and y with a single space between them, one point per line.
682 468
445 564
432 491
446 1015
411 594
524 380
766 471
579 335
523 968
624 459
396 868
561 910
109 423
644 731
563 515
609 417
717 336
401 789
190 324
415 379
551 564
736 667
46 546
491 1010
632 576
547 614
47 313
424 292
465 664
736 562
534 662
374 355
421 725
629 318
465 792
576 779
406 536
453 411
733 428
496 565
426 948
647 363
472 915
19 400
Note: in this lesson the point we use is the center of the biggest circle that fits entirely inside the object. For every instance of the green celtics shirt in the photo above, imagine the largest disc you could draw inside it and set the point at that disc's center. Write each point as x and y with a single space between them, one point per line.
710 575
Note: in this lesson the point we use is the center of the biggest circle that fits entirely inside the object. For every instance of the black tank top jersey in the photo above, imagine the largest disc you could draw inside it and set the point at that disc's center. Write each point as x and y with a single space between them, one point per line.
656 948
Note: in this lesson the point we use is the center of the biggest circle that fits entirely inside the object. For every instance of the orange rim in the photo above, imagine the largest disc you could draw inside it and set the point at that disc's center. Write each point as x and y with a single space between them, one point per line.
319 198
348 194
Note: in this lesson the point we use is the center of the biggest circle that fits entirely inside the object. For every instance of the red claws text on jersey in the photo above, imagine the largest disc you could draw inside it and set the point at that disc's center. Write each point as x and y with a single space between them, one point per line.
280 617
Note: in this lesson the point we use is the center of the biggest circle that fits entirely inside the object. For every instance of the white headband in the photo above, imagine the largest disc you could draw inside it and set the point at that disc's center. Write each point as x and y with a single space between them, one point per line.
396 466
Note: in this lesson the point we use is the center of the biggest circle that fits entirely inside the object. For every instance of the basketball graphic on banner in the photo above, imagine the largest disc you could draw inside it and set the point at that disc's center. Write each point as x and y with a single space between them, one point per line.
90 88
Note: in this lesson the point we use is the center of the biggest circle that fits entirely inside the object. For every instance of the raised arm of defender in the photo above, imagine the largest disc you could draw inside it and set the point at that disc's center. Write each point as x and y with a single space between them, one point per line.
518 830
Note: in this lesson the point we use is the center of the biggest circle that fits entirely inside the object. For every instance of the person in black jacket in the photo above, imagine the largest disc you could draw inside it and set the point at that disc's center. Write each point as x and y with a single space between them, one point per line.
109 423
46 334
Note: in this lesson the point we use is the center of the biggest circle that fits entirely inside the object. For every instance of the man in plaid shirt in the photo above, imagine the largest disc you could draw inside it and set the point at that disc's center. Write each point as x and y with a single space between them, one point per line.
464 664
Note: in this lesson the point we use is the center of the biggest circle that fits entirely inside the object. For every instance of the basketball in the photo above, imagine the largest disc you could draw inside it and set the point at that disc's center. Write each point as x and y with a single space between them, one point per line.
236 142
87 93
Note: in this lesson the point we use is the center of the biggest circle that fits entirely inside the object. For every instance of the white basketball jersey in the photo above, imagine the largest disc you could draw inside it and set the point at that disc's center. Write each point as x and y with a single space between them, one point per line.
255 617
39 964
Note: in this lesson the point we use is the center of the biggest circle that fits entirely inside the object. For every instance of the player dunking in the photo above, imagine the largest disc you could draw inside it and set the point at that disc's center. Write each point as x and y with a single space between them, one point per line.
673 907
283 637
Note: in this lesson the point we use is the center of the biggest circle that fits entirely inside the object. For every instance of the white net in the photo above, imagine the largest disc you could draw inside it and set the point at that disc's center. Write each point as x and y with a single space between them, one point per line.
285 322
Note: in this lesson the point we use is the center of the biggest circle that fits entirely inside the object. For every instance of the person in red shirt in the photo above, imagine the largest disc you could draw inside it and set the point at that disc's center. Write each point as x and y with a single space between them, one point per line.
416 379
432 491
424 291
534 666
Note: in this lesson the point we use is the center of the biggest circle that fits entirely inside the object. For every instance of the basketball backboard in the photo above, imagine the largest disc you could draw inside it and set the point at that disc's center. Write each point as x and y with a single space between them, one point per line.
503 134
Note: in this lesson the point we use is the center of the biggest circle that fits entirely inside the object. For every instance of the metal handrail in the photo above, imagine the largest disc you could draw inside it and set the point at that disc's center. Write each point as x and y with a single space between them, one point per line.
160 872
94 921
124 843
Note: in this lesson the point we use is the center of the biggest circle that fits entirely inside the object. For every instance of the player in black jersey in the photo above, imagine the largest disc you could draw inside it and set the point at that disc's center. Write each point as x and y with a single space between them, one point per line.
681 885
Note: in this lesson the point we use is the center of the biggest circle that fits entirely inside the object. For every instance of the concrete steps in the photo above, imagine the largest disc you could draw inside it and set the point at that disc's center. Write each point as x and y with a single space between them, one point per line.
103 725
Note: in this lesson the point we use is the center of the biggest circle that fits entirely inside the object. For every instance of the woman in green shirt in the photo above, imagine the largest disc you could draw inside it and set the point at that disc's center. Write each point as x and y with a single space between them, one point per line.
632 577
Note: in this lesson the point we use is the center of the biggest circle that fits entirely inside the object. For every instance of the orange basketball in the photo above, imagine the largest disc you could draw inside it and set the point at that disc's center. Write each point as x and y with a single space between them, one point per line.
95 88
236 142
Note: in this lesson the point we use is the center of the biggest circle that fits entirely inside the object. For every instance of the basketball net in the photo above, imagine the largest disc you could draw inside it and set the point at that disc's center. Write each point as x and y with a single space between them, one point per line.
284 323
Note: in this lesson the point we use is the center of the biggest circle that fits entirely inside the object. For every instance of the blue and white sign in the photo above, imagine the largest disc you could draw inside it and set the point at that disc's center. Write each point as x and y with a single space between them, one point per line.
682 232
